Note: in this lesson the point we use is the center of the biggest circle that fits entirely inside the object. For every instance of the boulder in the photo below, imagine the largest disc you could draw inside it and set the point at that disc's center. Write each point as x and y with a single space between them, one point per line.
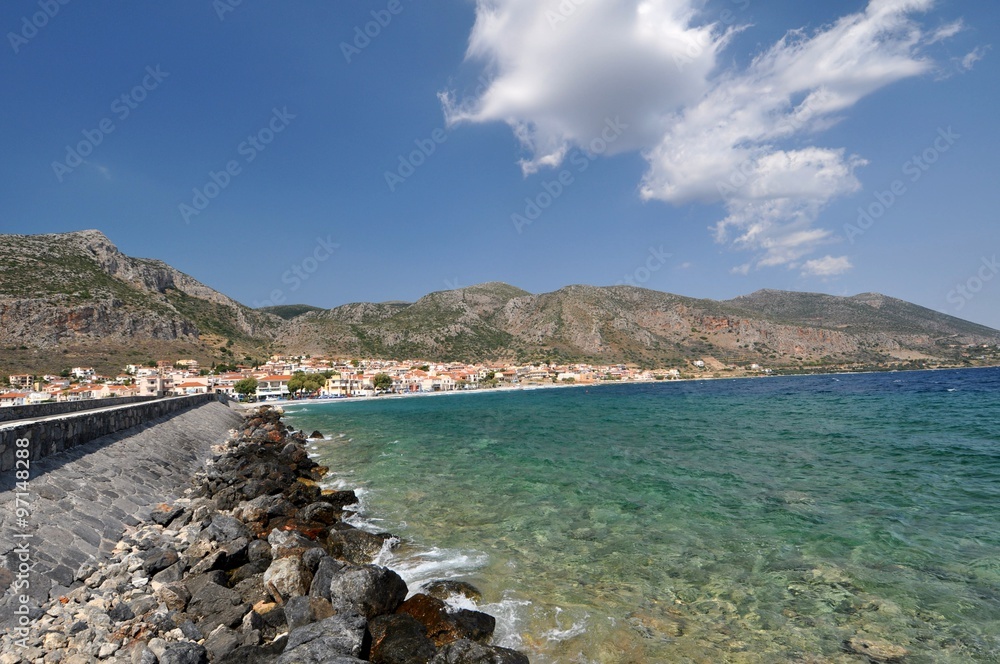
304 610
224 528
221 642
357 547
399 639
288 577
289 543
215 605
163 514
323 576
444 626
368 589
174 595
316 434
321 512
337 636
183 652
464 651
158 559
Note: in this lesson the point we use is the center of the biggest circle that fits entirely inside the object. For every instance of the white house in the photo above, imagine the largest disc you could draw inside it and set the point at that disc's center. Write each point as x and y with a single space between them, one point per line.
273 387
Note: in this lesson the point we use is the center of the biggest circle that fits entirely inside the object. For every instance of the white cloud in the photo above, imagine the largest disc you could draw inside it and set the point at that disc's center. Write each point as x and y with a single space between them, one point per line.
828 266
743 137
972 57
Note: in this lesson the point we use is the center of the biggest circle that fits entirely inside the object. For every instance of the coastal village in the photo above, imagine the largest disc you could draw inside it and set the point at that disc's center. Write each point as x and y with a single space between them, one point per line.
284 377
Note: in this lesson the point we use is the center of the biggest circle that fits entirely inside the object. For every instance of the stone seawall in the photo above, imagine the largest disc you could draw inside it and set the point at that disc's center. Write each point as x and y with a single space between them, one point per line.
59 408
80 501
50 436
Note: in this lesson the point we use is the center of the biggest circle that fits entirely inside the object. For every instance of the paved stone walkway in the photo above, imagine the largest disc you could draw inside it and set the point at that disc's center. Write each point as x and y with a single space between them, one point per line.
82 499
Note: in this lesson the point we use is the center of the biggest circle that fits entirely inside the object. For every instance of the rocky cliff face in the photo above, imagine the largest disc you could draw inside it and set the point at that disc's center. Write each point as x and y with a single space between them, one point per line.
73 287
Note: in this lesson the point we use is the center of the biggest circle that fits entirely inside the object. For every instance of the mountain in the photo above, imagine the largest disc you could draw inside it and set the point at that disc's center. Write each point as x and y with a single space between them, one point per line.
77 293
74 298
636 325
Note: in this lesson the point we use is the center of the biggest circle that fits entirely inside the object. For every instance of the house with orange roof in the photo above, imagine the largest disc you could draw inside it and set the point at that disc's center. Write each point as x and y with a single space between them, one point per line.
273 387
13 399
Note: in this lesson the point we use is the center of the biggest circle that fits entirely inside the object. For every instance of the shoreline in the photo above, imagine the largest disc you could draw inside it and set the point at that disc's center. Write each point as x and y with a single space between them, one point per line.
283 403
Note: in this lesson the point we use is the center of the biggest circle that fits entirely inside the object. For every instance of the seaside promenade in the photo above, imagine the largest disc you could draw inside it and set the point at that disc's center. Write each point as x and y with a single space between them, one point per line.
81 500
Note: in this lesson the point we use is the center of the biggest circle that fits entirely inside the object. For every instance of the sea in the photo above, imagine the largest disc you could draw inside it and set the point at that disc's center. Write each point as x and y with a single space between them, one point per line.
761 520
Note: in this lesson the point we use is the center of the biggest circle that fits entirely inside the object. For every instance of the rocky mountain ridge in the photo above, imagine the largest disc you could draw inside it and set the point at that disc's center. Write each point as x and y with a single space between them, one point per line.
86 295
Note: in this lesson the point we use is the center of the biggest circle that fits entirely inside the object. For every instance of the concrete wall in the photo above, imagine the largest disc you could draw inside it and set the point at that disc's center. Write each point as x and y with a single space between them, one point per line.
58 408
61 433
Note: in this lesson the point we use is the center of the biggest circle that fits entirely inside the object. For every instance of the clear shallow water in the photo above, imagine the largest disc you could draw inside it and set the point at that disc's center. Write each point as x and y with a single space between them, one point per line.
762 520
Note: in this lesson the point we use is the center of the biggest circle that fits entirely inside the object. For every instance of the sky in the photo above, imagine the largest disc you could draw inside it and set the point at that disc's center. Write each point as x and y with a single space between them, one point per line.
325 153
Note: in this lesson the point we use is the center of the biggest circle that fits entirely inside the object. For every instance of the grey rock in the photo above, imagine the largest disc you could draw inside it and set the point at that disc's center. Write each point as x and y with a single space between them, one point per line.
184 652
464 651
369 590
120 613
159 559
216 605
190 631
323 576
399 639
259 550
221 642
171 574
357 547
340 634
164 514
321 512
226 528
303 610
142 604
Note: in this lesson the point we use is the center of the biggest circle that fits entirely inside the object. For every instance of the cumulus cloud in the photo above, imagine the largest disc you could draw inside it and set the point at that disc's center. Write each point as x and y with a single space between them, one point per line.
743 137
828 266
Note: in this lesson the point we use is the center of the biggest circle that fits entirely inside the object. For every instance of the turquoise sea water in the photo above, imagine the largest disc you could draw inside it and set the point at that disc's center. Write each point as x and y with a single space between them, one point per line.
758 520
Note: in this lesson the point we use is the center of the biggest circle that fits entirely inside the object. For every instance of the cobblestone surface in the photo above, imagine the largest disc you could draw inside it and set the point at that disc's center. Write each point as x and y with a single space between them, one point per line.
81 499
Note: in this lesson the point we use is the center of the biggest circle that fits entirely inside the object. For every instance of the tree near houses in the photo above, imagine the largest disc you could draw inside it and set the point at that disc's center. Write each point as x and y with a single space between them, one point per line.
246 387
382 382
303 382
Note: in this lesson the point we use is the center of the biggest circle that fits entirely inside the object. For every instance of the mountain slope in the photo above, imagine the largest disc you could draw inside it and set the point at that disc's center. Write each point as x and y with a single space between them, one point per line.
78 289
628 324
74 298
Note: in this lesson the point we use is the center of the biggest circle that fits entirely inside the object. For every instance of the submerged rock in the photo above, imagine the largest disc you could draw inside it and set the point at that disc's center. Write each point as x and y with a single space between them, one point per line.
445 588
877 651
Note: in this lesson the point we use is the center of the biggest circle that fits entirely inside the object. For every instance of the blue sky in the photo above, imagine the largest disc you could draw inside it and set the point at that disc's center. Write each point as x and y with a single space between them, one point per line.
702 148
